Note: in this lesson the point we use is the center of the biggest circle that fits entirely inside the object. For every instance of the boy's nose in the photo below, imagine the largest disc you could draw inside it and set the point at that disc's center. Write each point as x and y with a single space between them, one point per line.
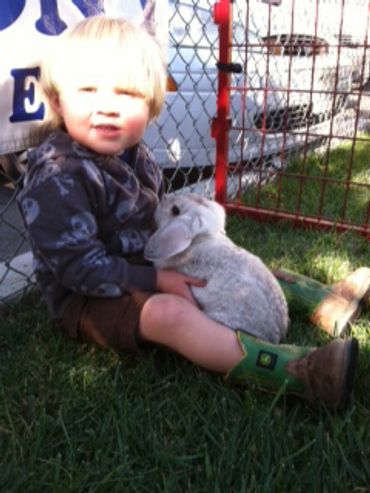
110 113
106 104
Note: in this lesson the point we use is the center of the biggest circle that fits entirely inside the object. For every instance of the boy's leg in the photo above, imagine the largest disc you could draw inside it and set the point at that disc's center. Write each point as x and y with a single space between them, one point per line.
108 322
180 326
330 307
324 374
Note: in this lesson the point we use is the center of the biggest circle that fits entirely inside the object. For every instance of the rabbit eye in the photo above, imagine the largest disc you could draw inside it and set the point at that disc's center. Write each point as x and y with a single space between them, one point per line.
175 210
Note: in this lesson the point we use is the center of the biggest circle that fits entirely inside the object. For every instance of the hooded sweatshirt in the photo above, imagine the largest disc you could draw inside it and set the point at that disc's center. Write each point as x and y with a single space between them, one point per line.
87 217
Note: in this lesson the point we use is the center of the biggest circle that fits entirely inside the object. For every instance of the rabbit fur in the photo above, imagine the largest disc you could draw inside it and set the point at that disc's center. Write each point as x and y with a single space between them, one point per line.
241 292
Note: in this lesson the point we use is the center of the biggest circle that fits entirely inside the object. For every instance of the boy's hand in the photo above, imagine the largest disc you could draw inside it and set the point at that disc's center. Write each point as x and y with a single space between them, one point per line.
169 281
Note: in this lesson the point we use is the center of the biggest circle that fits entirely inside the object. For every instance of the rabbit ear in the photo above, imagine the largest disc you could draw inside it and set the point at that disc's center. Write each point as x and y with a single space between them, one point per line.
168 241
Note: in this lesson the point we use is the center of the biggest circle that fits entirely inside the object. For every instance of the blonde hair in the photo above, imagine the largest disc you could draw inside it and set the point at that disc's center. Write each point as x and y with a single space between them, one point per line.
138 63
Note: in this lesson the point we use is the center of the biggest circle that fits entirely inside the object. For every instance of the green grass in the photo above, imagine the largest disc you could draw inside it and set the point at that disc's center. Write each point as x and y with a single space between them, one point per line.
307 185
74 418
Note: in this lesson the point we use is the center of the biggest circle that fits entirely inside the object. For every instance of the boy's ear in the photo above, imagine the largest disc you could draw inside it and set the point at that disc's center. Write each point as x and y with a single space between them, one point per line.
54 103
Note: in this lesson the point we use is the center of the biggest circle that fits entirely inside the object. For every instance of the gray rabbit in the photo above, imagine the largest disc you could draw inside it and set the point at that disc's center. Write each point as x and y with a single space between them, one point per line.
241 292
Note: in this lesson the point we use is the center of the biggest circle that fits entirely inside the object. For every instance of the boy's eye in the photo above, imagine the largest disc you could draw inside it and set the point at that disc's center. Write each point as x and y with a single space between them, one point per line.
128 92
87 89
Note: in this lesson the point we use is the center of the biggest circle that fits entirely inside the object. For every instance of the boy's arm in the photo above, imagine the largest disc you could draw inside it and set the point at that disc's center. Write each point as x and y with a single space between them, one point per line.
169 281
63 231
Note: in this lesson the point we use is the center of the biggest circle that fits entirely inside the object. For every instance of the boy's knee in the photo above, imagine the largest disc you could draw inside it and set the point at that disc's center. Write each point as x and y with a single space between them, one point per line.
161 312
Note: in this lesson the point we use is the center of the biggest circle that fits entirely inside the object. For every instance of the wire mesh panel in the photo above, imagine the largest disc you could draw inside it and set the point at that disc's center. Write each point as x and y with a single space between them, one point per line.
293 111
15 259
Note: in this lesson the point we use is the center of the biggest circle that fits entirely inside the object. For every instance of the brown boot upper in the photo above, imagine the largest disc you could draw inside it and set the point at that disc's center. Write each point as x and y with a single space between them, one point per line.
328 372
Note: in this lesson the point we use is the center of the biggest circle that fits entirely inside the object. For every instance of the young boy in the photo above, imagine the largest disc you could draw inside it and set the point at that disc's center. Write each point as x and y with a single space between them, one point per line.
89 195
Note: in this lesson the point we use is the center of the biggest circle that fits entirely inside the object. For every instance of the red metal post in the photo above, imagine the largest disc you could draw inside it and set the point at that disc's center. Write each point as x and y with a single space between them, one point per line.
222 14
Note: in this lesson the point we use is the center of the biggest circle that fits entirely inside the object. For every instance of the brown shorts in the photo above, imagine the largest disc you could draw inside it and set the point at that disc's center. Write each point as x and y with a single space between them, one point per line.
109 322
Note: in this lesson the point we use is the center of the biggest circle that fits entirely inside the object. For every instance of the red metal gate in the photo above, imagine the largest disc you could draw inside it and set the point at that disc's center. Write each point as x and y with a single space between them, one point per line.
292 125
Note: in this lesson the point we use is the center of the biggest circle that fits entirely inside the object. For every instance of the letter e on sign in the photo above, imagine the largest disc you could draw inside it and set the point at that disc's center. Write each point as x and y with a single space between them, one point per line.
24 95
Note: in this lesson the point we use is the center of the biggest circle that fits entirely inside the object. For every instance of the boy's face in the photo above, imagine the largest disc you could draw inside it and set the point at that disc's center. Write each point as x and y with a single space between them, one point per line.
101 115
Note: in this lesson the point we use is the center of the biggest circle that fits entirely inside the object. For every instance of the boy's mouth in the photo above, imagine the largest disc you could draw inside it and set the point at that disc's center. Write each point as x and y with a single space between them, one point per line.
107 130
105 127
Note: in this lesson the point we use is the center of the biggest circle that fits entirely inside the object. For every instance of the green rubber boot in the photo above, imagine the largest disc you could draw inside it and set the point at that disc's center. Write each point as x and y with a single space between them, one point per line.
329 307
318 375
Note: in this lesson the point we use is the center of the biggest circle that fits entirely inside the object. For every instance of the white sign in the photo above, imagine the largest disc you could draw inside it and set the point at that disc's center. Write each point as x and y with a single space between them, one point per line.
26 28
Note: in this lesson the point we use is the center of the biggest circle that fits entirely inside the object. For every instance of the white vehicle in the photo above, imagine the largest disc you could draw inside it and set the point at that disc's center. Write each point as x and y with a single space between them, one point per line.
344 24
306 87
307 71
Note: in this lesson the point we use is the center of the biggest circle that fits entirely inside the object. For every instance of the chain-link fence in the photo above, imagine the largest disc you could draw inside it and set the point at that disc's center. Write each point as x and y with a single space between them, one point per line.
293 111
296 77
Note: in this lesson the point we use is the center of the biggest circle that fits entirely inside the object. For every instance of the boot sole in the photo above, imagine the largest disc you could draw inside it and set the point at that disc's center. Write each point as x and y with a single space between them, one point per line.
351 355
356 289
344 303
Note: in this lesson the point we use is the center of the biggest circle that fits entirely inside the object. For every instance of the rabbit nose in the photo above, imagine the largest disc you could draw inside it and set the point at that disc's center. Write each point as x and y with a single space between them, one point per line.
175 210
